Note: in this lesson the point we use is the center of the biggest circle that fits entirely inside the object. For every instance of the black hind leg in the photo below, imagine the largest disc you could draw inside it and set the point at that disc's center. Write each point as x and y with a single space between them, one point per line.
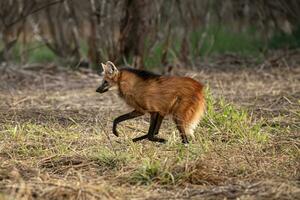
150 131
157 139
182 131
155 123
159 119
153 137
140 138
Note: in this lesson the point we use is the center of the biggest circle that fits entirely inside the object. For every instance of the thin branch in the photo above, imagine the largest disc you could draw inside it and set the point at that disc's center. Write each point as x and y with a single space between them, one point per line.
32 12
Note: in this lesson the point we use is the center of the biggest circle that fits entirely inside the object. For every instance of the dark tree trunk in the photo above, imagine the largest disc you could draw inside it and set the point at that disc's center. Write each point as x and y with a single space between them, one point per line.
94 54
133 30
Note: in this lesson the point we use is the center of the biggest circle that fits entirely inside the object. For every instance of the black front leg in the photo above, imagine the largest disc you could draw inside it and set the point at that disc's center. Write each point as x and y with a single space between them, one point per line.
124 117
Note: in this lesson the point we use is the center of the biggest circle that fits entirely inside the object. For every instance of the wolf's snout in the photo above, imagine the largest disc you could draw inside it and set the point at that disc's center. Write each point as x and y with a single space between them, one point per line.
102 89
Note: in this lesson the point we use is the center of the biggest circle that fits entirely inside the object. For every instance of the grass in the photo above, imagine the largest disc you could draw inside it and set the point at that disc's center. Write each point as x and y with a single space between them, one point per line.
226 146
71 153
41 55
109 159
36 52
283 40
206 42
228 123
220 40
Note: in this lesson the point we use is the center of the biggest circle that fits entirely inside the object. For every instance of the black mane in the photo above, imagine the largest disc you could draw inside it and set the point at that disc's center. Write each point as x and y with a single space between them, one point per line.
142 73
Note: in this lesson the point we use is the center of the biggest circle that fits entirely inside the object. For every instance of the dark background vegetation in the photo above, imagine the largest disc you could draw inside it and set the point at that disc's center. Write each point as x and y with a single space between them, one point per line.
144 33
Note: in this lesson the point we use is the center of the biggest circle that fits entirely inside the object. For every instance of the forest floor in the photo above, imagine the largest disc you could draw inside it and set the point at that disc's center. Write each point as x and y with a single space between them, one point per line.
56 140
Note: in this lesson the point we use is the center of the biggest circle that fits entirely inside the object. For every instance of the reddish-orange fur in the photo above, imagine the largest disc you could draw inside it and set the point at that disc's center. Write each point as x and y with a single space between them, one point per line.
180 97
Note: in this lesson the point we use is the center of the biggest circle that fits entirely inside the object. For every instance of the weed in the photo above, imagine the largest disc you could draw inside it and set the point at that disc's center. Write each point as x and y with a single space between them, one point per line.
152 171
109 159
229 124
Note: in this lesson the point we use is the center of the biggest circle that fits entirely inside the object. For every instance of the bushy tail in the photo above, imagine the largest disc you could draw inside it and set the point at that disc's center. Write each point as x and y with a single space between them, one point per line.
195 118
189 114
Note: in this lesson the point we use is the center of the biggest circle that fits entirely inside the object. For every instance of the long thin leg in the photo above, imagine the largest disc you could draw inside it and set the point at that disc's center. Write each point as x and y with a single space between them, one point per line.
181 131
158 124
155 123
140 138
150 130
124 117
154 138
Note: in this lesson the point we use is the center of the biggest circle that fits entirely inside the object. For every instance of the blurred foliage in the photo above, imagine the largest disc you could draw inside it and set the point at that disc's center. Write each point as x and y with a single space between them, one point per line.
284 40
169 32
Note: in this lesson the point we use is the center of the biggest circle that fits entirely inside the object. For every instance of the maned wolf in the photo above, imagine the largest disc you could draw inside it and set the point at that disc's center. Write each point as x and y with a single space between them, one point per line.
146 92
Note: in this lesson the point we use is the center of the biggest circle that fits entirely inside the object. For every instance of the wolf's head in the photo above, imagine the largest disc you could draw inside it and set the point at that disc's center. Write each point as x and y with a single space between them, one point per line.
110 79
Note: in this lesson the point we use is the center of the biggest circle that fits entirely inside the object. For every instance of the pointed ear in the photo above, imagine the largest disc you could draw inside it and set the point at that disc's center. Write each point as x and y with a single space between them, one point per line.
103 68
111 65
111 68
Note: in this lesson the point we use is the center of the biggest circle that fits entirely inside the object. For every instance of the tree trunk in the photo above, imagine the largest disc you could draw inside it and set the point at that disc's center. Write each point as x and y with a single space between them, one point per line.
94 54
133 31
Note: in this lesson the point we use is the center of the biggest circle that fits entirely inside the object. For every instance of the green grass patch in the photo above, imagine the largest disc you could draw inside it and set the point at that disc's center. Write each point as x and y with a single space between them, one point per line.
35 52
108 158
227 123
284 40
41 55
33 140
151 171
206 42
154 57
220 39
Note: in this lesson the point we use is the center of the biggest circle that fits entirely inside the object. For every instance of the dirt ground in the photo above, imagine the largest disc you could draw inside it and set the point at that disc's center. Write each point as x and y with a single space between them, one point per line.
43 95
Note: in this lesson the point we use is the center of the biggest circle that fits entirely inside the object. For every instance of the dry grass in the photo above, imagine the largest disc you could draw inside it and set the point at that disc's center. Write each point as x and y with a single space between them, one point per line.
56 141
